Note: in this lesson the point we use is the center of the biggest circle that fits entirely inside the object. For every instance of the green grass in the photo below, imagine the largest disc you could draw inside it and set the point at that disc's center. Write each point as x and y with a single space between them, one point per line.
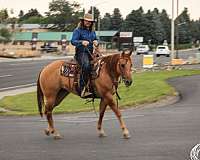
148 87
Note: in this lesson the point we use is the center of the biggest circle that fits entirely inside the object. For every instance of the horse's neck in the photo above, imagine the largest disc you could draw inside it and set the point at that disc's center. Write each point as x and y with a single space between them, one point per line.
111 68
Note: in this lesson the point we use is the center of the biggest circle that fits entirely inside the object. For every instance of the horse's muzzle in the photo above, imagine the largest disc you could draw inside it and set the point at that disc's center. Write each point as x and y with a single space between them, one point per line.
127 82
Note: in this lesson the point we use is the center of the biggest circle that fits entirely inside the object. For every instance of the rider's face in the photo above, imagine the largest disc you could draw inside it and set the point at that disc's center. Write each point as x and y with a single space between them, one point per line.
87 24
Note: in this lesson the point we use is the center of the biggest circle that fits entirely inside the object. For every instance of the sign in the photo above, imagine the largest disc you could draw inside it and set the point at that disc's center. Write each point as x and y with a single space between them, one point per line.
125 34
147 61
138 39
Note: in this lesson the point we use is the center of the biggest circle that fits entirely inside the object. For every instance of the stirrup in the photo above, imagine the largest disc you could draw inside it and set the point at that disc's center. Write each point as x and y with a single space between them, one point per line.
84 93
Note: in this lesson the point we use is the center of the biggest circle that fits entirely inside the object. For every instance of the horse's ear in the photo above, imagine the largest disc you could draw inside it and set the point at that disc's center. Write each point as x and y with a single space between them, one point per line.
130 52
123 53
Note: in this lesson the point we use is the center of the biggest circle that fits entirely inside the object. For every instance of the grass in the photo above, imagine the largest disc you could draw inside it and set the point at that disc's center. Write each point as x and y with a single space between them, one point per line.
148 87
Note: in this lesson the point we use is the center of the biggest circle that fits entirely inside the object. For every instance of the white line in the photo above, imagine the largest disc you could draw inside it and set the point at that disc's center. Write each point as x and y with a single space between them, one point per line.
19 86
6 76
18 64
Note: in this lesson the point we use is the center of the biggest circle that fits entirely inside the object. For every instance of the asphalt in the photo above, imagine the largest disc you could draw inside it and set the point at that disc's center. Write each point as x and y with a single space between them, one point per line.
32 88
158 133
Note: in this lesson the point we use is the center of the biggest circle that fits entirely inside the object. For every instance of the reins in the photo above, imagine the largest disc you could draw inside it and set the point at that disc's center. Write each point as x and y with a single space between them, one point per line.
114 82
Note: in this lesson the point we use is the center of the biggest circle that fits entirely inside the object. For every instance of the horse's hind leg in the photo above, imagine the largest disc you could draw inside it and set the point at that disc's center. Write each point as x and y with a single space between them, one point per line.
117 112
102 109
48 112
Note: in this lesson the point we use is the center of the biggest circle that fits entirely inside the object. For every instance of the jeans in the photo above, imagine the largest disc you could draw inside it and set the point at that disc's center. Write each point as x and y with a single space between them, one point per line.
83 59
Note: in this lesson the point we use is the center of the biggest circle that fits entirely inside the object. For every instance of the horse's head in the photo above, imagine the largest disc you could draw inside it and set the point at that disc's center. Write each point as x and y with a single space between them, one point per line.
124 67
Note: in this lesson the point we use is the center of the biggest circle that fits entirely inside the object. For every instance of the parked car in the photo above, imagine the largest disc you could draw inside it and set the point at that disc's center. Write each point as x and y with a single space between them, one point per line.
142 49
48 47
162 50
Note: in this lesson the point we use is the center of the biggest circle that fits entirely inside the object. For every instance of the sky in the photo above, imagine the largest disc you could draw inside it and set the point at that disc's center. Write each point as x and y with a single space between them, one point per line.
125 6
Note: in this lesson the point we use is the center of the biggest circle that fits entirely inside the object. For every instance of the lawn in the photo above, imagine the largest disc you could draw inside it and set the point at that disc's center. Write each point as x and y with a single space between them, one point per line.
148 87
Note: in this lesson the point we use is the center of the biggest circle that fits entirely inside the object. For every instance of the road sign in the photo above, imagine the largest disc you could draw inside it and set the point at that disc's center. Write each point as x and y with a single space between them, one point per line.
138 39
147 61
125 34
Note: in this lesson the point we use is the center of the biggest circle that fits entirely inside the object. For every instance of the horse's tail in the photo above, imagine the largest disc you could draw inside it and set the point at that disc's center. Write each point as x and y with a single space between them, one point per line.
40 97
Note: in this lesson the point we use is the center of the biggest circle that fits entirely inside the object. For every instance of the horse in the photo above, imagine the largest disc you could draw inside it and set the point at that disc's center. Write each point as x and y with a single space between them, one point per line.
52 88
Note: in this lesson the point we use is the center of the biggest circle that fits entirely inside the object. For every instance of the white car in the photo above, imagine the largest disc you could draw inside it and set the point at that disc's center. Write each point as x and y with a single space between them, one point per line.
142 49
162 50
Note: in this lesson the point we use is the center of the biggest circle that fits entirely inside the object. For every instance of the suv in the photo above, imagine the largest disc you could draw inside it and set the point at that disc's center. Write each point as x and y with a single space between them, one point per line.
142 49
162 50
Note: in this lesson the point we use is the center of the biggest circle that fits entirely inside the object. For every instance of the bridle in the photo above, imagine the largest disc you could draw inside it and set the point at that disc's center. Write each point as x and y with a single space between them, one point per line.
121 68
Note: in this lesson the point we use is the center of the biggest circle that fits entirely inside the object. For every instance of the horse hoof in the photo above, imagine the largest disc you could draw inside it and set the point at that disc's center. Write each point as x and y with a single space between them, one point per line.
127 136
57 137
101 135
46 131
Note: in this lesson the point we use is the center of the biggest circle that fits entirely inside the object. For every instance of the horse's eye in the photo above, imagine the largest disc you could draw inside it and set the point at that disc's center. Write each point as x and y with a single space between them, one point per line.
122 65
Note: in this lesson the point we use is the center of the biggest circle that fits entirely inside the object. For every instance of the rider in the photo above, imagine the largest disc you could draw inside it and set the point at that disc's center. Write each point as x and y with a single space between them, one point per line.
83 38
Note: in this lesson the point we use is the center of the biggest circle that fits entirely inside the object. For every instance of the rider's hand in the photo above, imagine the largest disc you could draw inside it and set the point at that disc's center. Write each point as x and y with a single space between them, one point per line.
95 43
85 43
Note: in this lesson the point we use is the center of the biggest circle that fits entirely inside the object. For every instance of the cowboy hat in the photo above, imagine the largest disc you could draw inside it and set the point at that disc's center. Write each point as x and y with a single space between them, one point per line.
88 17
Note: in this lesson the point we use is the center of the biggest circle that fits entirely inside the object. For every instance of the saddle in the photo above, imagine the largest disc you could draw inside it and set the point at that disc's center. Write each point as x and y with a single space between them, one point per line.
72 69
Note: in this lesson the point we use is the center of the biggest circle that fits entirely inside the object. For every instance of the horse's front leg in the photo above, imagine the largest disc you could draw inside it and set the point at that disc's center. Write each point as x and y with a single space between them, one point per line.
48 112
117 112
102 109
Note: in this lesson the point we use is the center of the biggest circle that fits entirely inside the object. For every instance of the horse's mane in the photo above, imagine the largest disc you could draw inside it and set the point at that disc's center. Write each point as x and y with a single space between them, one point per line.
111 63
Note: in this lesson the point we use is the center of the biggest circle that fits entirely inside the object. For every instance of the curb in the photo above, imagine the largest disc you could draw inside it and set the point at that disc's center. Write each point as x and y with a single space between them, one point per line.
35 59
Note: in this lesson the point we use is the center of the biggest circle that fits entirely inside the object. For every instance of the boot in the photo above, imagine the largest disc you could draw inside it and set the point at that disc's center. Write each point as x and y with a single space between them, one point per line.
85 92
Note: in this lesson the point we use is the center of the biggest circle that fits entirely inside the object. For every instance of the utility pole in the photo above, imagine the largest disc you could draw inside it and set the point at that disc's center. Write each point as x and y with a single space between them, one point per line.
92 8
177 30
172 31
99 26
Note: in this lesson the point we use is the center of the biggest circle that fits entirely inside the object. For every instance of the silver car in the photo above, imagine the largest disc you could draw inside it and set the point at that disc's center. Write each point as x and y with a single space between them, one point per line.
142 49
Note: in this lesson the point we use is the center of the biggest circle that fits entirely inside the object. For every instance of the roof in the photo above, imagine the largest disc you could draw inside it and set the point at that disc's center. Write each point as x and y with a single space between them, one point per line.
30 26
106 33
55 36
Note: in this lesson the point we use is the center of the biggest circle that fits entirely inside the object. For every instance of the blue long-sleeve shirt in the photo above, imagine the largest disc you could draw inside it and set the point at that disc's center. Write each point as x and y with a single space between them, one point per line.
79 35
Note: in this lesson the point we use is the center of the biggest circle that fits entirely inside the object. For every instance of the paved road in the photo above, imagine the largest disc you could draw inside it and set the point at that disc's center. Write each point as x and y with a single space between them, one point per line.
18 74
21 73
158 133
184 54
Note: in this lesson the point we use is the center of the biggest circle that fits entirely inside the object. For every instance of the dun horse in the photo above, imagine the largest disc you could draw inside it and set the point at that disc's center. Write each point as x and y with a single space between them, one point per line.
52 88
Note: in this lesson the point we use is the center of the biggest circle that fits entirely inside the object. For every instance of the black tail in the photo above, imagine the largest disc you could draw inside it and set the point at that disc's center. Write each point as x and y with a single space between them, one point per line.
40 97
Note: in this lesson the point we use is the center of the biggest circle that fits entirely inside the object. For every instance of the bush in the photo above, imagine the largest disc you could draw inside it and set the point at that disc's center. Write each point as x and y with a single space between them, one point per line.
5 35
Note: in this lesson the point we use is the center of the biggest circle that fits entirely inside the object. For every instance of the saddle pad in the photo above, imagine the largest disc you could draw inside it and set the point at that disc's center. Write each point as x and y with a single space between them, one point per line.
69 69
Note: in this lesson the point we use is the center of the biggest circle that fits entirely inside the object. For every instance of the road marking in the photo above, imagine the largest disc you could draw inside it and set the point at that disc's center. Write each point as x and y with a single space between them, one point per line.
18 64
19 86
6 76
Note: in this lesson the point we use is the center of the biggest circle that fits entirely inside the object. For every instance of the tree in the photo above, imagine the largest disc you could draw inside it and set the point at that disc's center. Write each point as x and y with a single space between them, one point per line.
31 13
5 35
135 22
149 27
195 30
184 27
63 14
33 20
116 19
106 22
3 15
166 23
159 31
96 15
21 14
